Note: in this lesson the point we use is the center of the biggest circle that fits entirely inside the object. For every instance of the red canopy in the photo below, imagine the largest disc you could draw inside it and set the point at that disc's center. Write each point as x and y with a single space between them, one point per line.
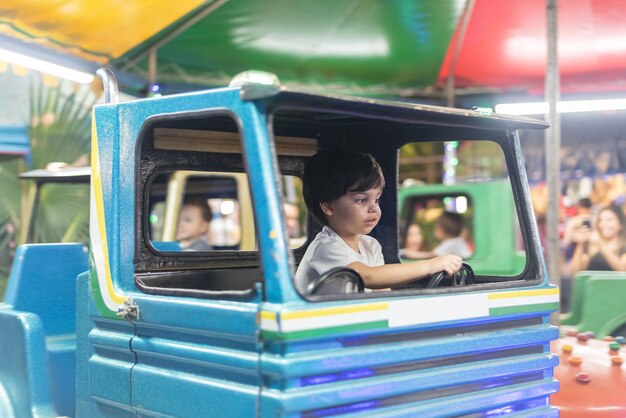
360 47
504 46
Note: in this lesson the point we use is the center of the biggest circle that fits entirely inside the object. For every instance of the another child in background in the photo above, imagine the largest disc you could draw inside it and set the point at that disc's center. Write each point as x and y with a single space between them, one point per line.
193 225
413 244
292 219
342 190
449 229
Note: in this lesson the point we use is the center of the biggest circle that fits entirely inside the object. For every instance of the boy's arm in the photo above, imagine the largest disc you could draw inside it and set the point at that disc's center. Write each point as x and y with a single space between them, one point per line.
393 275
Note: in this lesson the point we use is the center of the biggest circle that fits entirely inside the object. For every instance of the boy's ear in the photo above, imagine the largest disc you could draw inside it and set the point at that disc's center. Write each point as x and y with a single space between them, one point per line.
326 208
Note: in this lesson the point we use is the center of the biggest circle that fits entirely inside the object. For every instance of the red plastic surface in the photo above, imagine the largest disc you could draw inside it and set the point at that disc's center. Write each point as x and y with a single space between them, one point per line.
594 388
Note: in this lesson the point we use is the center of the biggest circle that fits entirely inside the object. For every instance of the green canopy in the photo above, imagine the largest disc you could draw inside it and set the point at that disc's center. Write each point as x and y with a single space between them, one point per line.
359 46
396 48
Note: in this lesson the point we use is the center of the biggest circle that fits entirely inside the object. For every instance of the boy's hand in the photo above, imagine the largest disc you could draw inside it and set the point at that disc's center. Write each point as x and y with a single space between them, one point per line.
449 263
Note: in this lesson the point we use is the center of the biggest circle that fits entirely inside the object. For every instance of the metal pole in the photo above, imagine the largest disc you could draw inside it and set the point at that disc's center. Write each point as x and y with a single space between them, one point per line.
152 66
552 150
467 13
201 14
290 190
111 91
450 160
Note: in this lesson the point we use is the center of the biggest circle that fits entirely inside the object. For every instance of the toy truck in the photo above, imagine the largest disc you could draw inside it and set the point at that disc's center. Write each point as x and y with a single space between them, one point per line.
490 218
224 332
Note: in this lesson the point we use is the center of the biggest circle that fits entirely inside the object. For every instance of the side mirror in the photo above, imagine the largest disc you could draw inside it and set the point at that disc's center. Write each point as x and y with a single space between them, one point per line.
340 280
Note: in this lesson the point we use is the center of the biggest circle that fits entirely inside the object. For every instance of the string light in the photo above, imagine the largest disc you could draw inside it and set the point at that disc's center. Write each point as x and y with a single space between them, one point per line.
569 106
45 66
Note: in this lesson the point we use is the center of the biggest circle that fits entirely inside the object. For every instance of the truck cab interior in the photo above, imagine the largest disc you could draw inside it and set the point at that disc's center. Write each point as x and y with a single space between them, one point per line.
208 148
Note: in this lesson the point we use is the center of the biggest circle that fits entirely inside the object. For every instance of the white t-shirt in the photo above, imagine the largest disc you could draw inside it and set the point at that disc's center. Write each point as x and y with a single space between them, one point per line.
328 250
457 246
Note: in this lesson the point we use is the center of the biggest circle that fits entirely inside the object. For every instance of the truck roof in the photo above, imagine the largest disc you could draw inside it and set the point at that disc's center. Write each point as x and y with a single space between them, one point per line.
356 107
308 108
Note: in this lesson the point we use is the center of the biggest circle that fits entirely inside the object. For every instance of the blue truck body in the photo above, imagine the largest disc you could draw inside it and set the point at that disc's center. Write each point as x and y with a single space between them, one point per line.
149 344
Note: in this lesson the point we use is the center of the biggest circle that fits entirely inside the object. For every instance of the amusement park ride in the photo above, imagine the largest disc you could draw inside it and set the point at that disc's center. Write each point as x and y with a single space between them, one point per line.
150 330
590 372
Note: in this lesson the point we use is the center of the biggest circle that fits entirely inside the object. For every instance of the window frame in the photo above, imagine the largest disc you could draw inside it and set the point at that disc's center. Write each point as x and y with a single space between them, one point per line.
509 144
151 162
421 129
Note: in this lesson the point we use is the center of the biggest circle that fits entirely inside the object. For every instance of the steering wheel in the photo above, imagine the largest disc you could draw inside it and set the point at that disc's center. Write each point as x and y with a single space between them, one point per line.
340 280
463 277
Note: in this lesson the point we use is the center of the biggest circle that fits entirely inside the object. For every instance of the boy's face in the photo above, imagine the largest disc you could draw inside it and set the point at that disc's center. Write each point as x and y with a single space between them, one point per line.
191 224
354 212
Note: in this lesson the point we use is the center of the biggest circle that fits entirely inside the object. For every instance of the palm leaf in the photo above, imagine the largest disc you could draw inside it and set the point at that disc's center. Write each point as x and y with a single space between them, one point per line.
60 208
63 134
61 131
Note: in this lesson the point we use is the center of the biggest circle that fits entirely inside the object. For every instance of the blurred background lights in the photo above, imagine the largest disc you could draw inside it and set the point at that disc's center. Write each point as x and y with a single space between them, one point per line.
154 90
227 207
45 66
569 106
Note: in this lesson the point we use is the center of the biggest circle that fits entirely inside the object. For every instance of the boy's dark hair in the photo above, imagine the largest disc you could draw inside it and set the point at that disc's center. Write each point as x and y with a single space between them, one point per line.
451 224
332 173
201 203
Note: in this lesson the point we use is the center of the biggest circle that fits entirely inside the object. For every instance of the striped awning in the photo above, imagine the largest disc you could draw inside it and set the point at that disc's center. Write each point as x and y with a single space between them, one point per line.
367 47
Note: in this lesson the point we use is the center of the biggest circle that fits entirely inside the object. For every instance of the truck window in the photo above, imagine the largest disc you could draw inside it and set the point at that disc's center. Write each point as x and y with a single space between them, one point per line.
191 167
179 198
195 206
467 181
193 163
420 223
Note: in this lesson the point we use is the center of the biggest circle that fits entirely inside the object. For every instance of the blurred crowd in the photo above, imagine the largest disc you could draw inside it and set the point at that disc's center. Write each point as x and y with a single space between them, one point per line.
592 218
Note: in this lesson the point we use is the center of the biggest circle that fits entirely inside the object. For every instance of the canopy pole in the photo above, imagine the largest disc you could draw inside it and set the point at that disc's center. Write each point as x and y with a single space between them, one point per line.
553 150
450 91
152 66
210 8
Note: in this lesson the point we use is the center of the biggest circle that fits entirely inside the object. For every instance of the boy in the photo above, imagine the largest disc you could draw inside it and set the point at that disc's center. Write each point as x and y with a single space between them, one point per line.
449 228
341 190
193 225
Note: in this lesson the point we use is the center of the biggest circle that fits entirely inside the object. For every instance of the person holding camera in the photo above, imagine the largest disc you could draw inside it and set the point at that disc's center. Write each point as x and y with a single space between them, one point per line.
602 247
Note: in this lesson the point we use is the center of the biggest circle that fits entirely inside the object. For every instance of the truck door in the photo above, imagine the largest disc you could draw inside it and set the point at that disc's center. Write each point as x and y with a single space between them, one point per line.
196 339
